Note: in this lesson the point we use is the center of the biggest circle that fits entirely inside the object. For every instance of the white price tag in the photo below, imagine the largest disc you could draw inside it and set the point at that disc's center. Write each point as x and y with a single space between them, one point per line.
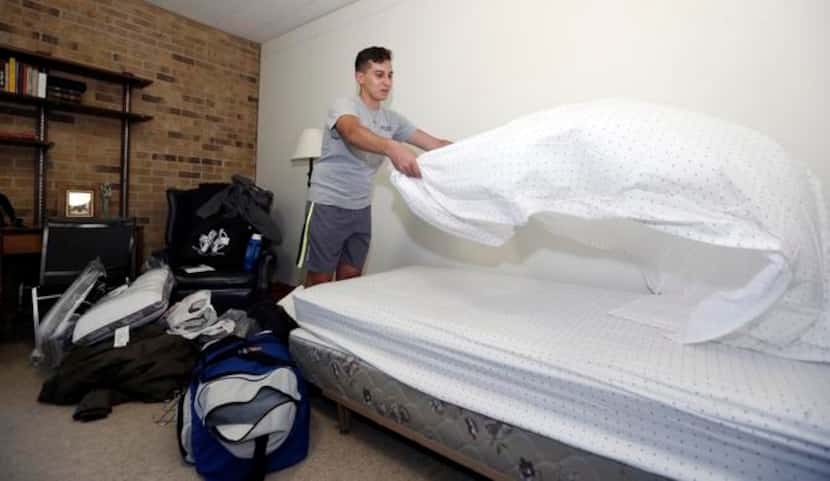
122 336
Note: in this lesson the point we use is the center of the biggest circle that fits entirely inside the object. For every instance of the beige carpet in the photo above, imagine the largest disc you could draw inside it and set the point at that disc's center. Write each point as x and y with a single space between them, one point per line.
42 442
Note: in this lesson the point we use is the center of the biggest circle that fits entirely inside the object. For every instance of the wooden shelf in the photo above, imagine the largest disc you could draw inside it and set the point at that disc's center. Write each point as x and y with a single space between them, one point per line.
20 98
57 106
96 111
23 142
45 106
27 56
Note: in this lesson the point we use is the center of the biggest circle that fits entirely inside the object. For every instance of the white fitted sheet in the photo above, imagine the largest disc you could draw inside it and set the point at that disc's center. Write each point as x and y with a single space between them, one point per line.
549 358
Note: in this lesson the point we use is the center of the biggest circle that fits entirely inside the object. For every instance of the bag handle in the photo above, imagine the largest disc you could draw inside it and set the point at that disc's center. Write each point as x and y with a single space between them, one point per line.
251 353
244 350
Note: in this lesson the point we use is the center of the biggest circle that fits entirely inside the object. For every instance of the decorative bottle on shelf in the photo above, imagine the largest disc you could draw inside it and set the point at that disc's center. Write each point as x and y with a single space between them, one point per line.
252 252
106 195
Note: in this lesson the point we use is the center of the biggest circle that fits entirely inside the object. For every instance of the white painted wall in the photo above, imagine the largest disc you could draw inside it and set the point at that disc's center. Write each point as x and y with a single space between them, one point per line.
464 66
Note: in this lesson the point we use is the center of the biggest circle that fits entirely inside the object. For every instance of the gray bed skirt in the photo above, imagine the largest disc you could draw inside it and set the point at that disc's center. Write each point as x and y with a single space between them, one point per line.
488 446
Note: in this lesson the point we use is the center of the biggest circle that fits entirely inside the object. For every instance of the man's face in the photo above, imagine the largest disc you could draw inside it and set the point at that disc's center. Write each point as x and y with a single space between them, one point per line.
376 80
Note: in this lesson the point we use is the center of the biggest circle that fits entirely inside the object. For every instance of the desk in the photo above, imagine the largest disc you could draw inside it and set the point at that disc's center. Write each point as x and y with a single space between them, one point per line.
27 240
17 241
20 241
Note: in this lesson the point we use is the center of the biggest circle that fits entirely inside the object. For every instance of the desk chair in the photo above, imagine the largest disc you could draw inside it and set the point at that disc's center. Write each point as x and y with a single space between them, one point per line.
70 244
230 286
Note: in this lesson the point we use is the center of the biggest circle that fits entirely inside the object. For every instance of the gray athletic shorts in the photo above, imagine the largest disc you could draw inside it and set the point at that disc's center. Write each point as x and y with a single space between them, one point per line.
332 235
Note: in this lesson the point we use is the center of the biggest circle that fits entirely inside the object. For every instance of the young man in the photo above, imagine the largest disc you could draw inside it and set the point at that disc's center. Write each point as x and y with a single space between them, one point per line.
359 134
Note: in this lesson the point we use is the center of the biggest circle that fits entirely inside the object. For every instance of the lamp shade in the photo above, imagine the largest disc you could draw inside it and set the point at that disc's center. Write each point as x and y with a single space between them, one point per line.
309 144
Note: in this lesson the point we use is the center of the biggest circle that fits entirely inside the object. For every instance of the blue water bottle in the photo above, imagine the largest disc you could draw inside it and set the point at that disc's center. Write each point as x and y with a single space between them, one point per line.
252 252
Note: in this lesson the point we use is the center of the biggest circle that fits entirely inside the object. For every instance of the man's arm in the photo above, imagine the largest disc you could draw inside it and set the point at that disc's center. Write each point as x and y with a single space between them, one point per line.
350 128
423 140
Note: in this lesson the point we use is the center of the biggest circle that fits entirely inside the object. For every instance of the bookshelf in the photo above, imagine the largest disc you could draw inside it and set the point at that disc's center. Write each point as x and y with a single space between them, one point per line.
43 106
68 107
24 142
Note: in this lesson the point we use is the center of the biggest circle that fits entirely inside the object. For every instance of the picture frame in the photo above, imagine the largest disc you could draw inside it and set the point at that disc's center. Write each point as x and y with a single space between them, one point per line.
80 203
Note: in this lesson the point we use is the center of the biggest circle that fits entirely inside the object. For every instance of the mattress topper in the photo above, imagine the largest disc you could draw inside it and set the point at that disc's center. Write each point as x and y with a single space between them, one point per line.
549 357
688 181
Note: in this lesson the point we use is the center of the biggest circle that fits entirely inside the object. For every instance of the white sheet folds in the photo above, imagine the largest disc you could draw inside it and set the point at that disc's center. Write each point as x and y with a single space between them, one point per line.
679 173
549 358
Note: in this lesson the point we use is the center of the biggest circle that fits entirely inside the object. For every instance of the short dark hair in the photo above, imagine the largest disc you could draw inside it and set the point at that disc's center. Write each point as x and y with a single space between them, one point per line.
371 54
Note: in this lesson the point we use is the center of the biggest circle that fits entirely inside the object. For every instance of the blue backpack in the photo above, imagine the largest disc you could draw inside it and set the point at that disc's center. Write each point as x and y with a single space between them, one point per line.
245 412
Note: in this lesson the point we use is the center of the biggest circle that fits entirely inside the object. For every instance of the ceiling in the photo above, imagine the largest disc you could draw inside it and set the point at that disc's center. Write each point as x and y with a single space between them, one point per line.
257 20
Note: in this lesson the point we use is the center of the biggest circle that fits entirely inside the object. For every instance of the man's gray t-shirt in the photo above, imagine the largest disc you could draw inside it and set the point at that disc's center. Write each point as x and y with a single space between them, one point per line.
343 174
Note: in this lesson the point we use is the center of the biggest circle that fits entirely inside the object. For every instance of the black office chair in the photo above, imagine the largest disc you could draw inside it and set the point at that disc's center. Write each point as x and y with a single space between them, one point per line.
70 244
230 285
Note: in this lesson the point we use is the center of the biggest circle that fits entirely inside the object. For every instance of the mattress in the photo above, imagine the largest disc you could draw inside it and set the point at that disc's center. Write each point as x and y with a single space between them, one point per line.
549 358
502 450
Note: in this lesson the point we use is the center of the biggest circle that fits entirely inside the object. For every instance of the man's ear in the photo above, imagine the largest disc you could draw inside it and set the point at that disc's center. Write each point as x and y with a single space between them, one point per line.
360 77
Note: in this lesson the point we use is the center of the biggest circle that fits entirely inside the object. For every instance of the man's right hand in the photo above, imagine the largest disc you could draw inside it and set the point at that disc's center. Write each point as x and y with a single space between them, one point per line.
403 158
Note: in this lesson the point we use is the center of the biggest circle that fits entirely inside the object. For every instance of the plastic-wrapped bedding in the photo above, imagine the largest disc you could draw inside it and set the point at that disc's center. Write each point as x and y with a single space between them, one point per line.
140 303
688 181
55 329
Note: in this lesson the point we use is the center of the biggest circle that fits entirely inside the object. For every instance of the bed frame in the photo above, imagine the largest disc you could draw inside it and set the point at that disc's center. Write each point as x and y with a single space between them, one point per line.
487 446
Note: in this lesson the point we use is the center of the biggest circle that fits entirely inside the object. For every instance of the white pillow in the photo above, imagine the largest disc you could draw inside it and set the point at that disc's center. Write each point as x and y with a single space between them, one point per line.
141 302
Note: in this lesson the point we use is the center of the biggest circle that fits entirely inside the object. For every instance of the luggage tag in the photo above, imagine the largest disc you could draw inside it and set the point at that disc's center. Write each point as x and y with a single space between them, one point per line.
122 336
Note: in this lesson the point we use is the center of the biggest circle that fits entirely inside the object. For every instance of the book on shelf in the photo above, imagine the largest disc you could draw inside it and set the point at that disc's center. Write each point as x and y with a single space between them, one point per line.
67 84
21 78
41 84
54 88
12 69
75 99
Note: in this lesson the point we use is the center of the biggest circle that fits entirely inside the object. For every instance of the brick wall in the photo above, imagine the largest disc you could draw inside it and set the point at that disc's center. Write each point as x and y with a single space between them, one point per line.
203 100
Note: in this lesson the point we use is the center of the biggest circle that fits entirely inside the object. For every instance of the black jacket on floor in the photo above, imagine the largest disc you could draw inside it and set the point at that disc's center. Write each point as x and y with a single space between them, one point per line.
150 368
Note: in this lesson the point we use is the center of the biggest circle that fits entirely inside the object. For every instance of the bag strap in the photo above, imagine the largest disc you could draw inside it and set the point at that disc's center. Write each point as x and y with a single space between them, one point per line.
180 422
260 463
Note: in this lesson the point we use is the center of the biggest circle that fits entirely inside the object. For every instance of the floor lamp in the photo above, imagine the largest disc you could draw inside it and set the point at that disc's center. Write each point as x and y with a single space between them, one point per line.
308 147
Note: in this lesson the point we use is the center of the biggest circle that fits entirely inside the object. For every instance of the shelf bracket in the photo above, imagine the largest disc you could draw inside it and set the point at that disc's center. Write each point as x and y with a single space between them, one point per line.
126 100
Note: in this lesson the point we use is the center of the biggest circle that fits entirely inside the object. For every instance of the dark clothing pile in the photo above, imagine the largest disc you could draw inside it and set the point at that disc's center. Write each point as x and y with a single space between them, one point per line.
245 199
151 368
154 366
272 317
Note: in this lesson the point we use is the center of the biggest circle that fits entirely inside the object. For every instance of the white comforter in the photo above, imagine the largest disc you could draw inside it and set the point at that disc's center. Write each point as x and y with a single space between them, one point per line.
682 174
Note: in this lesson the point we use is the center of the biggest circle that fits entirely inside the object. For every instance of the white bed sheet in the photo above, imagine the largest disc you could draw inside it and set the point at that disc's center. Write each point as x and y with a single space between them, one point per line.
641 179
547 357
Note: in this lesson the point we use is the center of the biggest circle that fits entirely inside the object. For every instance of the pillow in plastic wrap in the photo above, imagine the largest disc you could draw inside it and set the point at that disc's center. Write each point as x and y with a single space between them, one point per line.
140 303
55 328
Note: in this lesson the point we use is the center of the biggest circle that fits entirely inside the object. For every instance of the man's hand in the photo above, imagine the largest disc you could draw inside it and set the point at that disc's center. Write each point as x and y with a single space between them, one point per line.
402 158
